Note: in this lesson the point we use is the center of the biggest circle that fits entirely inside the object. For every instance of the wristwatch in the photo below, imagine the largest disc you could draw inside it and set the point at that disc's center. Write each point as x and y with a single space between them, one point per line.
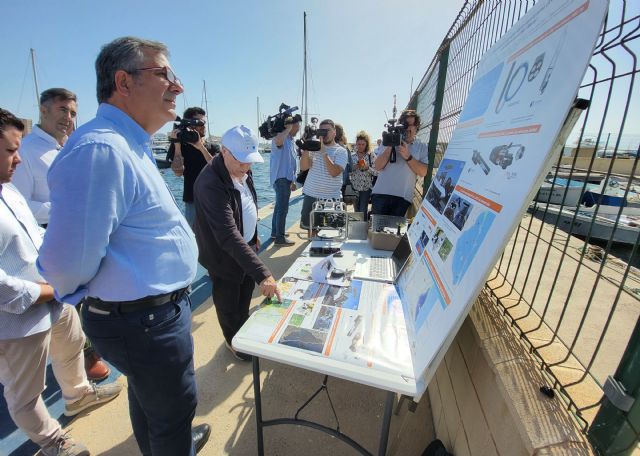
409 159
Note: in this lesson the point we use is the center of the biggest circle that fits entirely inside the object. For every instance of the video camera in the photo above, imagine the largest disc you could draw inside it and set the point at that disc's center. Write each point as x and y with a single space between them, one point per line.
311 137
186 133
395 134
278 122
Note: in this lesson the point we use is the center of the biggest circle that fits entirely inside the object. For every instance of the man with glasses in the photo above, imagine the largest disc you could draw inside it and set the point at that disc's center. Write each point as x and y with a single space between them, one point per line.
188 159
394 189
117 239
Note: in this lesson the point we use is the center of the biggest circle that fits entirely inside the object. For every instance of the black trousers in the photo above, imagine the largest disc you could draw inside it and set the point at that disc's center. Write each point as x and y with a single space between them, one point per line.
232 301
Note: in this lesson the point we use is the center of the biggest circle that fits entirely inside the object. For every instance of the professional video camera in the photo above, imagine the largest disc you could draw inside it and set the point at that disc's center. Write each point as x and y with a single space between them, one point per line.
278 122
395 134
311 137
186 133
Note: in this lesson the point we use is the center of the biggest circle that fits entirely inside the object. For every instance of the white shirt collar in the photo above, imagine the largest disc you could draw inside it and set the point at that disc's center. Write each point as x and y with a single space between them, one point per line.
39 132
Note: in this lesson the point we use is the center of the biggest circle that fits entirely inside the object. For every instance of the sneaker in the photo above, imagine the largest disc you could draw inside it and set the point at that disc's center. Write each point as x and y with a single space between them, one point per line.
99 394
239 355
285 235
283 241
64 446
95 368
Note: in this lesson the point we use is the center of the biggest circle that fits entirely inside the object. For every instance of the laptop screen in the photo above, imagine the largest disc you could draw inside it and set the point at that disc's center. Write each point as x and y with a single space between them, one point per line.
401 253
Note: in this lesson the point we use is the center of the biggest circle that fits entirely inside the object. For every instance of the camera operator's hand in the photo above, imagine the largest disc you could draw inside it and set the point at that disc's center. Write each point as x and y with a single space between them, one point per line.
403 150
174 134
280 137
203 150
199 141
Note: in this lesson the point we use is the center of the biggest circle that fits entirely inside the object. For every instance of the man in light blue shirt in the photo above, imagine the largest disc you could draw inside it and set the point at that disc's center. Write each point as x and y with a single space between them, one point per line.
282 173
117 239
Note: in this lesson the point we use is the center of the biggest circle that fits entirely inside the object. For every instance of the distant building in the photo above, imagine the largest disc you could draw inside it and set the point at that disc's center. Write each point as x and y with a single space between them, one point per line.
28 126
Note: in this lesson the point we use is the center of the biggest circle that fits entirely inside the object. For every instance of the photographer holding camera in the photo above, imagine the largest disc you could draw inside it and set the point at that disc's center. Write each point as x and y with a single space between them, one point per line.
394 189
282 173
325 167
188 154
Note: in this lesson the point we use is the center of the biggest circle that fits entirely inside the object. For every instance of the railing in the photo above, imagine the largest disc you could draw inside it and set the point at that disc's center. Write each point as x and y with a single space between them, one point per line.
567 284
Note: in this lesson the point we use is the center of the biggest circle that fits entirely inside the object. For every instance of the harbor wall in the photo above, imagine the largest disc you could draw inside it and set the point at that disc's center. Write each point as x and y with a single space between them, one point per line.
621 165
486 398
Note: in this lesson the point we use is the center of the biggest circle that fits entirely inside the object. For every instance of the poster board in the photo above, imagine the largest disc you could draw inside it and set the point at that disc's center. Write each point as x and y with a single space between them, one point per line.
497 156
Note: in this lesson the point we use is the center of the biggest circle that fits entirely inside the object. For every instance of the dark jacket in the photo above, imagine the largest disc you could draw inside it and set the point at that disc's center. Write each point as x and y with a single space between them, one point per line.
218 226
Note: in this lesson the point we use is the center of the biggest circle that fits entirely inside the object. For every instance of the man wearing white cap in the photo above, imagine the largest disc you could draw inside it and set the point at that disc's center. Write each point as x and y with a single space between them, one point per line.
226 231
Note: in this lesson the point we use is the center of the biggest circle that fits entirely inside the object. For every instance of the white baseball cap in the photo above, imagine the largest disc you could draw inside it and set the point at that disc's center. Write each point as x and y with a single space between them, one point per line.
243 144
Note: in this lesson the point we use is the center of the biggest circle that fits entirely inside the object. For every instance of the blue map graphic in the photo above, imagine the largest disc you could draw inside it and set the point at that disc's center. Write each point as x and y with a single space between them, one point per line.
469 243
480 94
426 303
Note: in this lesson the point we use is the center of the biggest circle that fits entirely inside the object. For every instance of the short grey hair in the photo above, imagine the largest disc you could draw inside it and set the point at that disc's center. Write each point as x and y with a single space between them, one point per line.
126 53
57 93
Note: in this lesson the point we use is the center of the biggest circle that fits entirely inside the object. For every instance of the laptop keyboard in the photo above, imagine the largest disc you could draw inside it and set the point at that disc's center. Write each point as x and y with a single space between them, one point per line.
379 267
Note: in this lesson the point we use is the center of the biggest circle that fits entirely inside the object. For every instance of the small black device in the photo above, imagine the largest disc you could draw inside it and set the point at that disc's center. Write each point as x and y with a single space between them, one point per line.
186 133
325 251
311 137
278 122
337 273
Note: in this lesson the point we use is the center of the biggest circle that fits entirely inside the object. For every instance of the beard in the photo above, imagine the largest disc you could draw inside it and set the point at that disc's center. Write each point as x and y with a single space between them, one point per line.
326 141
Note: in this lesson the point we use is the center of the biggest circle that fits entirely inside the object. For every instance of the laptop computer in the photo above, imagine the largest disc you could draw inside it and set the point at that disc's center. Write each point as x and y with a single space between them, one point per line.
384 269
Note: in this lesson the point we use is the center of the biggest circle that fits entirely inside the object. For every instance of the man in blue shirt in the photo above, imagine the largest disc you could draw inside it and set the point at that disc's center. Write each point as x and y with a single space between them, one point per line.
117 239
282 174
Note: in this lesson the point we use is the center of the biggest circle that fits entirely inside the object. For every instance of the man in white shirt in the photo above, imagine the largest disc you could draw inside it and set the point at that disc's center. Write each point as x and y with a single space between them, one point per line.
34 325
58 110
325 167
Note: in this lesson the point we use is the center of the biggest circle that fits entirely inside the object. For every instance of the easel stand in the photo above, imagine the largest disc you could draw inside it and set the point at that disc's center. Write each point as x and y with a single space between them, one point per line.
260 423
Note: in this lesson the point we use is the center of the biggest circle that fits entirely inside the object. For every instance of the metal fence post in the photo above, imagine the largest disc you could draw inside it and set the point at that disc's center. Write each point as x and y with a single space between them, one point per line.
614 430
443 62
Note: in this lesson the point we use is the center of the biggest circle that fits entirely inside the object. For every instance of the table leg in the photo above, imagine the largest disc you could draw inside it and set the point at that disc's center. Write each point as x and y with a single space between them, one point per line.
386 423
258 401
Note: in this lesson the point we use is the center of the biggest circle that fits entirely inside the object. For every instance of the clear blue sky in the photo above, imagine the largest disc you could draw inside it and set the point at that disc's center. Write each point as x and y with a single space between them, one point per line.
361 52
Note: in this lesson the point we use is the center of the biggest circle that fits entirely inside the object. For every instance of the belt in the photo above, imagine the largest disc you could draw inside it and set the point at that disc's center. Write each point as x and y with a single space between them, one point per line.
136 305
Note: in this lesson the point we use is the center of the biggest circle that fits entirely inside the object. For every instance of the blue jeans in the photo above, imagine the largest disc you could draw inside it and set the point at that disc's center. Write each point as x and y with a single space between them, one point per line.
154 349
282 188
190 213
389 205
362 204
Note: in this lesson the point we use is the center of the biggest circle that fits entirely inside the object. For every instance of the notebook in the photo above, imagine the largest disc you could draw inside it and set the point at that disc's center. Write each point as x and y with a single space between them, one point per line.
384 269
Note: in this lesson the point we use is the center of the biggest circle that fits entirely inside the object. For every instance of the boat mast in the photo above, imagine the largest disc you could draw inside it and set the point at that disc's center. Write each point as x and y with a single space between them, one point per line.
258 112
206 106
35 78
305 106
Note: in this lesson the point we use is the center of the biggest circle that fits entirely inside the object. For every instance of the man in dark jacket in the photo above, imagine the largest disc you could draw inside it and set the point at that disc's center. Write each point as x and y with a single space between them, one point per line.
188 159
226 231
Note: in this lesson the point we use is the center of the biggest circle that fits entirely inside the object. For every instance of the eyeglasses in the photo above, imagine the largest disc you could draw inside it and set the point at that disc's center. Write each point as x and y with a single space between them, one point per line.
167 72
